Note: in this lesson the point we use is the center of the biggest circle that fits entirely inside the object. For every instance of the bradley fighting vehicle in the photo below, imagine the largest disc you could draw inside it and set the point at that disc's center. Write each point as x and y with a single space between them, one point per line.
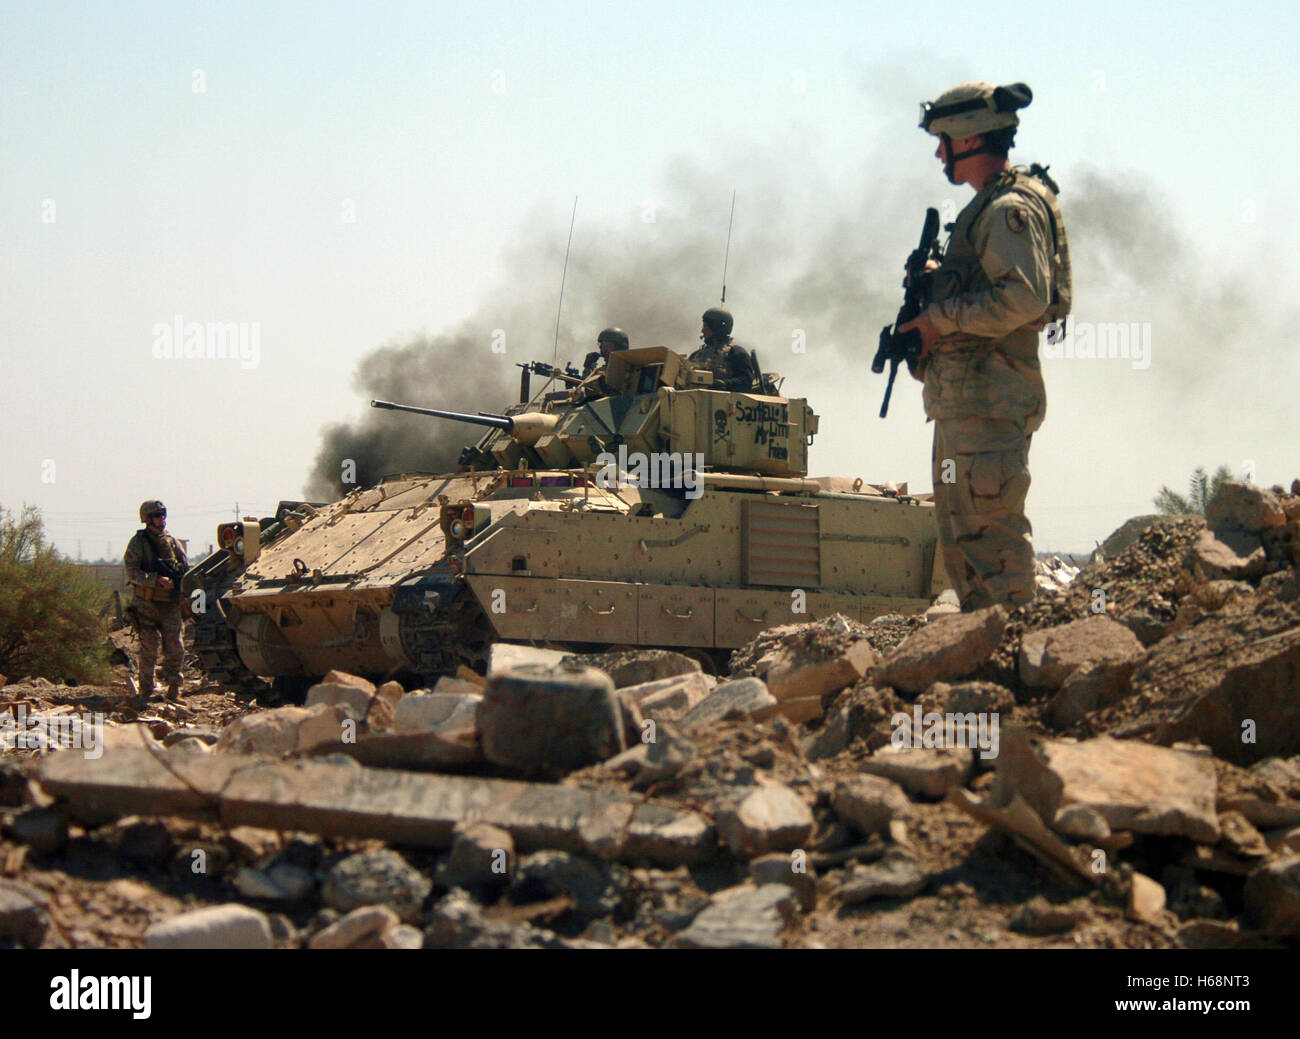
638 508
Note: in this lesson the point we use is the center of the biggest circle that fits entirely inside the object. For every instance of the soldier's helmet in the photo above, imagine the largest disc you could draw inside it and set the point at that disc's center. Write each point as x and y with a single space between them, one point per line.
717 321
974 108
615 337
150 506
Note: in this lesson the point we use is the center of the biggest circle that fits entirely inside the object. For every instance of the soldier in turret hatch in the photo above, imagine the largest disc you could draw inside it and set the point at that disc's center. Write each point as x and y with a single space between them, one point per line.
730 363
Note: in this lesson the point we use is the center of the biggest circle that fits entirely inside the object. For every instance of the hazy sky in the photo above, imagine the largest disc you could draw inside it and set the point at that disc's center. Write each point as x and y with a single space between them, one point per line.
331 178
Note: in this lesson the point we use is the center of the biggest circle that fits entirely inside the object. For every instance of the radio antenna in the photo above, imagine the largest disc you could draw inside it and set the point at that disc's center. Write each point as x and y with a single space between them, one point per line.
727 255
555 351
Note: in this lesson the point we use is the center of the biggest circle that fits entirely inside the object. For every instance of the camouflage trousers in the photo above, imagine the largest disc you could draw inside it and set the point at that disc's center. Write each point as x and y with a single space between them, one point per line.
981 476
157 622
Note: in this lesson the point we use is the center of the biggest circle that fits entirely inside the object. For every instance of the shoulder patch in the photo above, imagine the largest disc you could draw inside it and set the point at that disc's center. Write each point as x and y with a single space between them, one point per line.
1017 219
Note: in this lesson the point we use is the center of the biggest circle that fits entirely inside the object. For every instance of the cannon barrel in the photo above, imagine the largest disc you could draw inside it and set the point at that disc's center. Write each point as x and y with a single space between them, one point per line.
495 421
527 428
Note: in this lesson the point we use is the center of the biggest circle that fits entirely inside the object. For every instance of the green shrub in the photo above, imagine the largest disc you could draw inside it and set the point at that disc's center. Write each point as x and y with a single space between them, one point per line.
49 607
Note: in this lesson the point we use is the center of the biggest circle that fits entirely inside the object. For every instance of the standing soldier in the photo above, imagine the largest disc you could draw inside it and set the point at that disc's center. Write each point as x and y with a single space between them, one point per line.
730 363
155 563
1005 276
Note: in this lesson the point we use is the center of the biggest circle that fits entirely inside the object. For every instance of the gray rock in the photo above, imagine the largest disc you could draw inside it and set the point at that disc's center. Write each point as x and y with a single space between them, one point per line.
894 876
376 878
355 700
639 666
790 870
594 886
457 922
1082 823
536 718
1039 917
503 657
217 927
1213 558
22 918
870 803
1272 896
667 699
481 855
44 830
1050 656
670 752
765 819
742 918
1089 688
946 648
832 738
746 695
284 730
355 927
402 936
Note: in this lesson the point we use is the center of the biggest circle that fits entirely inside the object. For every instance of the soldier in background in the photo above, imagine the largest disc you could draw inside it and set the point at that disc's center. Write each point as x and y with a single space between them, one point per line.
155 563
730 363
607 342
593 368
1005 275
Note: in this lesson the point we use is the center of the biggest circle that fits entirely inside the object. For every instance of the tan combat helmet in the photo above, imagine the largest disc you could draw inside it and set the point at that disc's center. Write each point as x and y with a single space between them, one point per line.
974 108
150 506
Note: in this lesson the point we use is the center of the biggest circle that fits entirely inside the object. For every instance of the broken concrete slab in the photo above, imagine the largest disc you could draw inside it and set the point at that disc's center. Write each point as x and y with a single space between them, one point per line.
667 699
870 803
746 695
438 711
921 771
946 648
638 666
742 917
765 819
442 751
792 674
1213 559
1048 657
218 927
504 656
335 799
1138 787
1243 506
283 730
1248 711
355 700
537 718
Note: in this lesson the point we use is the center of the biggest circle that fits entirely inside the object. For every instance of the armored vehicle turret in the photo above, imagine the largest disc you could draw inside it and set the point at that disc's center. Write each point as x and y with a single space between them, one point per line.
637 507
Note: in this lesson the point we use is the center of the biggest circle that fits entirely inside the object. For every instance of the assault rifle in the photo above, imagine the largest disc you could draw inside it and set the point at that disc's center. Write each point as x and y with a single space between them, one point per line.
896 347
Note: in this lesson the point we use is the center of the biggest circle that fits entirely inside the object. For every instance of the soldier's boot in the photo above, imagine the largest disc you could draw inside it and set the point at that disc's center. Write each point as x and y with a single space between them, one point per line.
173 690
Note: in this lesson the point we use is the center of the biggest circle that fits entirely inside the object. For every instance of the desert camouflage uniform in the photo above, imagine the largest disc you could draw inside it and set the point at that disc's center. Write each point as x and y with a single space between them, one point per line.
730 364
1005 274
156 610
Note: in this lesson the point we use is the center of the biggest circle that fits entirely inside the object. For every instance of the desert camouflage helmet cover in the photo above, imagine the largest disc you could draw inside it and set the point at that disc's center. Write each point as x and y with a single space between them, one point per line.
974 108
718 320
152 505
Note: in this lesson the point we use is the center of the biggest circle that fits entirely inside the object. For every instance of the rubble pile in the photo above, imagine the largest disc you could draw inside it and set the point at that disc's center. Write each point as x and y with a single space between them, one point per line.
1110 770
